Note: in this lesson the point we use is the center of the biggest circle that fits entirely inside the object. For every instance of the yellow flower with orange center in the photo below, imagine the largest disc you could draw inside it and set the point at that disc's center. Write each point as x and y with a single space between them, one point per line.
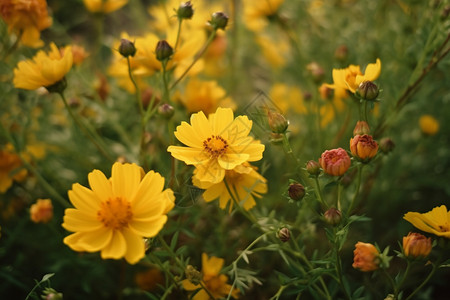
436 221
44 70
365 257
26 18
41 211
351 77
212 280
244 182
115 214
104 6
216 144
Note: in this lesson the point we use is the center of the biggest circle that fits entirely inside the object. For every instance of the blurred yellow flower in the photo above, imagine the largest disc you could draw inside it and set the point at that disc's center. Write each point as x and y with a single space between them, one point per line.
244 181
436 221
288 98
257 13
216 144
350 77
44 70
104 6
41 211
428 124
11 168
206 96
213 281
117 213
27 18
79 54
275 51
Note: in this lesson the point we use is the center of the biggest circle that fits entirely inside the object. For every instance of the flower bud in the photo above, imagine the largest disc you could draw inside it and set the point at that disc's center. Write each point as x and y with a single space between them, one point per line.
163 50
335 162
296 191
219 20
341 53
51 294
193 275
166 110
386 145
361 128
185 10
365 257
316 71
325 92
333 216
363 147
416 245
284 234
367 90
276 138
313 167
41 211
127 48
277 122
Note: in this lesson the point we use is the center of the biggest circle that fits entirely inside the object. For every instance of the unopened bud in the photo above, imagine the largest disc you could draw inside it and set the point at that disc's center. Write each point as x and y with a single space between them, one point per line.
367 90
316 71
127 48
313 167
325 92
276 138
361 128
193 275
219 20
386 145
284 234
185 11
163 50
277 122
296 191
51 294
341 53
333 216
166 110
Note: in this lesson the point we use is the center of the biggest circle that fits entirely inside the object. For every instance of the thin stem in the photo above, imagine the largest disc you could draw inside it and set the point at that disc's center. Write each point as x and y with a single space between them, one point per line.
180 20
338 266
391 281
318 192
398 287
338 200
358 185
423 282
136 87
165 83
365 111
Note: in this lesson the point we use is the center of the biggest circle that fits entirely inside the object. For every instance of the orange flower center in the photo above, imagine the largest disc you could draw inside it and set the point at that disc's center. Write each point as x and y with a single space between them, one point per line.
215 145
115 213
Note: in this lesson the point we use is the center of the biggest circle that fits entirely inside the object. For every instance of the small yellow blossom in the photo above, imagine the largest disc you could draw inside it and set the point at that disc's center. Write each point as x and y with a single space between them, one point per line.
44 70
117 213
436 221
243 181
213 281
274 50
26 18
257 13
216 144
428 124
41 211
104 6
11 168
288 98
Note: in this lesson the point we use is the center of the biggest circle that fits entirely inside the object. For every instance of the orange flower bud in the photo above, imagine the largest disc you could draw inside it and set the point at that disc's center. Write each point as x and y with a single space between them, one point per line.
335 162
416 245
361 128
365 257
363 147
41 211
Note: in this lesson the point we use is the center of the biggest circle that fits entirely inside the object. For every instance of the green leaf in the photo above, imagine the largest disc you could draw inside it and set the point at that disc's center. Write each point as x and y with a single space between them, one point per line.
47 277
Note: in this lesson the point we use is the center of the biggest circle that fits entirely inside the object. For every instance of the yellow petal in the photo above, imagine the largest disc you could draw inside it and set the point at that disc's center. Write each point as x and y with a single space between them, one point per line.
191 156
116 248
186 134
76 220
94 241
135 246
373 71
211 266
148 227
100 185
125 179
230 160
83 198
221 121
200 124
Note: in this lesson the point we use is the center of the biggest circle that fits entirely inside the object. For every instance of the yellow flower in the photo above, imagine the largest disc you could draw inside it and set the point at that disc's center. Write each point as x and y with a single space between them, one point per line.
428 124
206 96
436 221
117 213
245 183
215 283
26 17
350 77
11 168
216 144
288 98
44 70
104 6
274 50
41 211
256 13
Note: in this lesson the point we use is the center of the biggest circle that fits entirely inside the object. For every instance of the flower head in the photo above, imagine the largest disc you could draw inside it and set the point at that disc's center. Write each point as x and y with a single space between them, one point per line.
365 257
416 245
216 144
44 70
428 124
363 147
29 17
104 6
257 13
215 282
41 211
244 180
436 221
115 214
335 162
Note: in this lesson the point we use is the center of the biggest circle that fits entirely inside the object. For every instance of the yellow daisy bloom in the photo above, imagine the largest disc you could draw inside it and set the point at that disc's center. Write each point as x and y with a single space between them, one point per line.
428 124
216 144
215 282
256 13
44 70
104 6
436 221
350 77
117 213
244 182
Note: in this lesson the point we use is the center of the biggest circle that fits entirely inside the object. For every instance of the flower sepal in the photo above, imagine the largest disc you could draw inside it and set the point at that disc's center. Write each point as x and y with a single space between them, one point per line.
57 87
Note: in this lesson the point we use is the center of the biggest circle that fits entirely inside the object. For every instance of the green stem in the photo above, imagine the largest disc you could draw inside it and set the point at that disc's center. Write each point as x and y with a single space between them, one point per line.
180 20
165 83
318 192
423 282
391 281
339 267
398 287
338 200
358 185
365 111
